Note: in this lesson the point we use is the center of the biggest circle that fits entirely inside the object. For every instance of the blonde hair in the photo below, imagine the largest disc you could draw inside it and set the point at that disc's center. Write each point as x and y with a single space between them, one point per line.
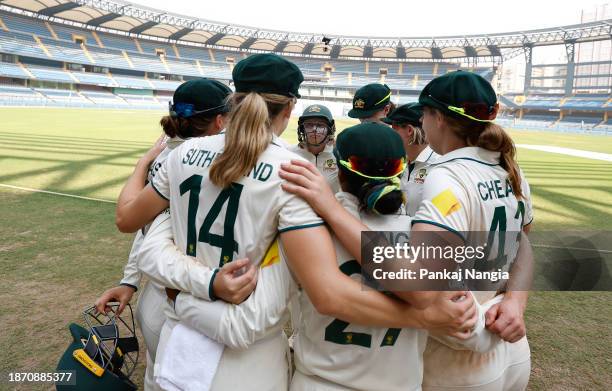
418 135
247 134
492 137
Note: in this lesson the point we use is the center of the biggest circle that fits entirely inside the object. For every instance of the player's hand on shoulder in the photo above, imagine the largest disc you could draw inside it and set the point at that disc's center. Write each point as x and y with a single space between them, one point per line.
121 294
305 181
155 150
235 281
452 313
506 319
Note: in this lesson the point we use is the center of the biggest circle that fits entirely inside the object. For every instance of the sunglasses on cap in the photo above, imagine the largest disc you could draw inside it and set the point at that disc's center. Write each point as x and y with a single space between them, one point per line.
186 110
375 169
480 112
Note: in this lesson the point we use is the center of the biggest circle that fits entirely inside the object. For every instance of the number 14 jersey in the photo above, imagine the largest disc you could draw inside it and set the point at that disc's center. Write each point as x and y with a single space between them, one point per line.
219 225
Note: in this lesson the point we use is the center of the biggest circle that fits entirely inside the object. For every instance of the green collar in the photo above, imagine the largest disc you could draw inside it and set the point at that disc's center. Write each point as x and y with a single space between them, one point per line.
477 154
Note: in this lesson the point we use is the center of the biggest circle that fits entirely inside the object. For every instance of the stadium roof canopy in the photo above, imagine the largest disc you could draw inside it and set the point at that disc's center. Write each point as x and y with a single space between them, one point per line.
127 18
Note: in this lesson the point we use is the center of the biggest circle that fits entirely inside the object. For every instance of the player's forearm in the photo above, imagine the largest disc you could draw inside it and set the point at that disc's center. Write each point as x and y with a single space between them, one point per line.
135 183
236 326
347 229
521 274
165 265
161 261
350 302
239 326
332 292
131 274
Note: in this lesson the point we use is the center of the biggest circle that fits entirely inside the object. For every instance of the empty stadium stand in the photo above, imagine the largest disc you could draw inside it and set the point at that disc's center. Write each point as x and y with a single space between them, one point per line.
47 63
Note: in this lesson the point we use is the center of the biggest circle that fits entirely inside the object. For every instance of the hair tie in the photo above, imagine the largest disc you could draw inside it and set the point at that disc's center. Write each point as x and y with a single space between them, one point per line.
382 190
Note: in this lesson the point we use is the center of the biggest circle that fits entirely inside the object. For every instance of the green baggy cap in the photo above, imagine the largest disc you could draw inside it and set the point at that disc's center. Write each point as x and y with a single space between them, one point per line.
461 94
267 73
370 149
200 96
369 99
410 113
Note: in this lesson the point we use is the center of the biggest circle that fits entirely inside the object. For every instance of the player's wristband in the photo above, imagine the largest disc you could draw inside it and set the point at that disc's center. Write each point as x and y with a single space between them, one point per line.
211 293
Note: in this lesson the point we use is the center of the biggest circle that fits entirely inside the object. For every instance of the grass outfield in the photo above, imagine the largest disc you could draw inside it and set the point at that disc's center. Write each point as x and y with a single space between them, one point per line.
58 254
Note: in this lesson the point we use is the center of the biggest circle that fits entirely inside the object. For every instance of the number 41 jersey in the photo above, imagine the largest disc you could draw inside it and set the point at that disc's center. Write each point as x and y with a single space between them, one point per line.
467 190
333 354
219 225
469 193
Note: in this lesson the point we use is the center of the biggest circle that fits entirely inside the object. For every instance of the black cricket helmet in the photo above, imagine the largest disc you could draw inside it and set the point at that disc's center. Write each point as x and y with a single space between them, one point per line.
103 356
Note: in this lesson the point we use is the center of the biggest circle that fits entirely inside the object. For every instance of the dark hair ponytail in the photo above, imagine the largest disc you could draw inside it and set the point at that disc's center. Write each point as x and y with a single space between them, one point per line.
184 128
379 196
382 197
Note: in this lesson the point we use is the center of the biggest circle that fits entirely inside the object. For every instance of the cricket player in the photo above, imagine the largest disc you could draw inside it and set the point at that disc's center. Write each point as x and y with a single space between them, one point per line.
475 185
371 103
316 129
318 335
406 121
199 109
224 208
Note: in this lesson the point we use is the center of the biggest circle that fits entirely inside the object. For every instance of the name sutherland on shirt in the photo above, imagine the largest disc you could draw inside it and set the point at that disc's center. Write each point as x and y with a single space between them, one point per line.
204 158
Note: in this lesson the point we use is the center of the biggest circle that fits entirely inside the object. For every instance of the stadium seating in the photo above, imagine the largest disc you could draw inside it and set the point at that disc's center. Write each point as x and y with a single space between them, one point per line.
64 98
167 85
118 42
542 102
66 51
104 99
94 79
111 58
51 74
132 82
21 44
122 52
127 64
582 119
183 67
16 91
149 47
141 101
12 70
68 33
27 25
585 102
20 96
193 52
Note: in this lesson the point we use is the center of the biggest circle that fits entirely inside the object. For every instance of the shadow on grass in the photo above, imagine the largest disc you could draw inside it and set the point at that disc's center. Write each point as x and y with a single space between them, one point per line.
97 150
